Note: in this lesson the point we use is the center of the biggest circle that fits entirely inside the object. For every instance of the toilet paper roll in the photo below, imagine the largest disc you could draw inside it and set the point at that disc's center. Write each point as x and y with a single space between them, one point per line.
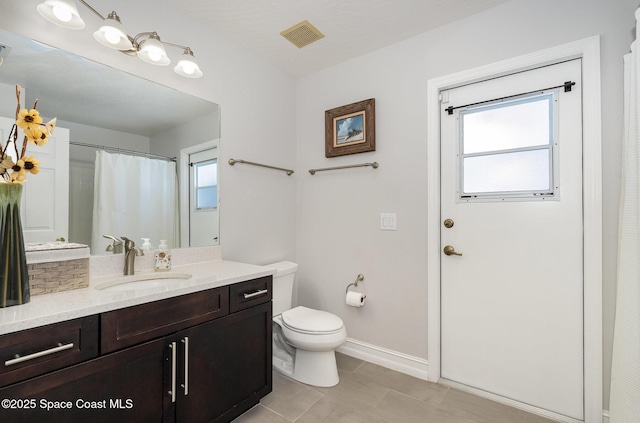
355 299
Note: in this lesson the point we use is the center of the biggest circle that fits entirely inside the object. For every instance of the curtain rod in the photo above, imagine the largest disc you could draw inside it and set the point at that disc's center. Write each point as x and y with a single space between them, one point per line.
123 150
567 88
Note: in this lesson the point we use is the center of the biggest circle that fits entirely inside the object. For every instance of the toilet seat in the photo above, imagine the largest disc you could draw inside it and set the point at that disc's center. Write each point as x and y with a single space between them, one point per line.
307 320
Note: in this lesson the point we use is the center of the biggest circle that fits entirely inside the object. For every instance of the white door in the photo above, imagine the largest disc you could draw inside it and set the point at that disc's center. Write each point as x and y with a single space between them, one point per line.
203 198
45 196
511 185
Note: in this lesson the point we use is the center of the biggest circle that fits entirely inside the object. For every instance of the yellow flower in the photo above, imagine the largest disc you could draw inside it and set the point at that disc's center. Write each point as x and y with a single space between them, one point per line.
51 125
6 163
31 164
18 167
17 177
37 135
28 118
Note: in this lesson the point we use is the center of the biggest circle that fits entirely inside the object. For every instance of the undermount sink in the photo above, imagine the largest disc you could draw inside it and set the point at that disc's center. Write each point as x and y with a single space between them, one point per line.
145 281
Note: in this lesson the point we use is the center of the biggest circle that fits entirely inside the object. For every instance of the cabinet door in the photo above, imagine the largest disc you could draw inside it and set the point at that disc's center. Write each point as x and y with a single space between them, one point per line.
126 386
226 368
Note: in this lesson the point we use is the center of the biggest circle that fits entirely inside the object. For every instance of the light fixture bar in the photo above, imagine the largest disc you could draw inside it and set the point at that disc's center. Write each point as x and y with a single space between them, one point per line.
92 9
146 45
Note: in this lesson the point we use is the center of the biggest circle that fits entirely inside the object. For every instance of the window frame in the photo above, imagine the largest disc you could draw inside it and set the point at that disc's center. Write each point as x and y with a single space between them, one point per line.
197 188
553 193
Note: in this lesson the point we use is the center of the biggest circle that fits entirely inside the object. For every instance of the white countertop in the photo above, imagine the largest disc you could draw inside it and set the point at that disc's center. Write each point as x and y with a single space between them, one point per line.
57 307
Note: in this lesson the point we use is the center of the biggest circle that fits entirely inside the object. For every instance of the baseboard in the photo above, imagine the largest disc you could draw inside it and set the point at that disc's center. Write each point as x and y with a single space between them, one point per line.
394 360
605 416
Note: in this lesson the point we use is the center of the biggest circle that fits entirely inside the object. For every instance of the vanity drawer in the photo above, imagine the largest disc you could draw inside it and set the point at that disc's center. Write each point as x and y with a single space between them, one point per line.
133 325
41 350
247 294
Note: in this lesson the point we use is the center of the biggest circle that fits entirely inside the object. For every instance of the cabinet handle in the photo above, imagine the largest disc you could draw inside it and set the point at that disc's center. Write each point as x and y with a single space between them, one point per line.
185 341
19 359
255 294
172 392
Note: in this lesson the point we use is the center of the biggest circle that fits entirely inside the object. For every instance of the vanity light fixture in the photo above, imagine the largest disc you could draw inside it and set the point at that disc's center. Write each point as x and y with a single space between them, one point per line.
146 45
61 12
112 34
186 66
152 51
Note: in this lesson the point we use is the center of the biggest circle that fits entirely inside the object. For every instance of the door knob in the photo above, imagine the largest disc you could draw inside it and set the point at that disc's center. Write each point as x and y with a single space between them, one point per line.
449 250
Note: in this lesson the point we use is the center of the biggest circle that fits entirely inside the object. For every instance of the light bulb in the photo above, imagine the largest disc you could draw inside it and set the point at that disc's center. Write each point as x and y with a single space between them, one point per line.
188 68
112 35
155 54
62 13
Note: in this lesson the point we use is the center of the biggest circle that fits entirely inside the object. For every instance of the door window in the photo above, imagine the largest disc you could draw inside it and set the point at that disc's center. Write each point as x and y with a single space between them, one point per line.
507 149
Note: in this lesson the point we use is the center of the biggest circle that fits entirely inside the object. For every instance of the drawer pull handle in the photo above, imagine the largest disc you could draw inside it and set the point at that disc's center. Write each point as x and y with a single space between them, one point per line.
172 392
53 350
185 341
255 294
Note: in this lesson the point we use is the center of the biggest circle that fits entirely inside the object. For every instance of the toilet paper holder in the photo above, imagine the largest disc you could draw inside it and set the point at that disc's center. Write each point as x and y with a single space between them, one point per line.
359 278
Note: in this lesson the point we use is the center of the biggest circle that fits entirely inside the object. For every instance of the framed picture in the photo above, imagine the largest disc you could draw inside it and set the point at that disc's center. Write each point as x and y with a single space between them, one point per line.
350 129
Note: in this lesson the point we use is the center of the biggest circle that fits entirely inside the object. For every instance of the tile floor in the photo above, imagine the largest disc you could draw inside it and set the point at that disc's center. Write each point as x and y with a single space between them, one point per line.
368 393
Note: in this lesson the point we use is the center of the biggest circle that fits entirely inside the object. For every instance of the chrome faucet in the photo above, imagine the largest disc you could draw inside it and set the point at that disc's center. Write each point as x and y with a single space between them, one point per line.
130 253
116 247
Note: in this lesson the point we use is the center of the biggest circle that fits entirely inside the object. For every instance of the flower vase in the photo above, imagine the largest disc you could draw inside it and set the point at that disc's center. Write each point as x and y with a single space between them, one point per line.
14 289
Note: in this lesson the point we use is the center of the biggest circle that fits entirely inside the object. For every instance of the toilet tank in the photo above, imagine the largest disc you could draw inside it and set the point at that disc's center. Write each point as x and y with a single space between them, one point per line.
283 285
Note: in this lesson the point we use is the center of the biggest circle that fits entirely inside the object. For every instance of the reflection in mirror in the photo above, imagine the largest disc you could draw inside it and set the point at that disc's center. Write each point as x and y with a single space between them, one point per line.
108 109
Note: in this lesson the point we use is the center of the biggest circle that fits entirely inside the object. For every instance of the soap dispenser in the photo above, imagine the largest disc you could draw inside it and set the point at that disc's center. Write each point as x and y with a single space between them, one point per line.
162 257
146 245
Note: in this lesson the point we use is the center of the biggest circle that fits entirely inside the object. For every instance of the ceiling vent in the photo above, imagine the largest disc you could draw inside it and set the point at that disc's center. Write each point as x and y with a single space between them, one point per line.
302 34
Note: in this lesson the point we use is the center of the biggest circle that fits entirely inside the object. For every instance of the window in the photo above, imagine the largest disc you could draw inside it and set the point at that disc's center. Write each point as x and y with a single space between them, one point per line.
206 184
507 149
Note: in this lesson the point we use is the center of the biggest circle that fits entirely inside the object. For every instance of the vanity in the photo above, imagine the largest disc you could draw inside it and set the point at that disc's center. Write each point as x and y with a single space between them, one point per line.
197 349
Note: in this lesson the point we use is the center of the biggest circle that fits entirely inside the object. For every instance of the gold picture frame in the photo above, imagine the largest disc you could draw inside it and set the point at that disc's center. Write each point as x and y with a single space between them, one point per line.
350 129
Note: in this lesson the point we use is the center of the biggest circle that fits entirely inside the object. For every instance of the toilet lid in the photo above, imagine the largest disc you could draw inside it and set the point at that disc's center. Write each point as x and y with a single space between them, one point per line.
310 320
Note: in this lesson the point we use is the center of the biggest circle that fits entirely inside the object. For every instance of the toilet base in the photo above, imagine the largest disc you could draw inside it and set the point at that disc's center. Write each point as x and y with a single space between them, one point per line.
310 366
316 368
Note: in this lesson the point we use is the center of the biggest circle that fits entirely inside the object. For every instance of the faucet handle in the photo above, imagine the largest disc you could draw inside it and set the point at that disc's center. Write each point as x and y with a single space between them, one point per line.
116 241
116 247
128 243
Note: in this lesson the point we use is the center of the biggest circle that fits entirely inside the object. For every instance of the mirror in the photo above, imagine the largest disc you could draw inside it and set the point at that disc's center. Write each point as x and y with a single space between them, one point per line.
105 107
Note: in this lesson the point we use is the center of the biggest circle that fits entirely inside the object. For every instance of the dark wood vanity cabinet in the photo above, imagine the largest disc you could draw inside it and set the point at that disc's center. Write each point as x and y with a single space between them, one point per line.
121 387
229 366
209 363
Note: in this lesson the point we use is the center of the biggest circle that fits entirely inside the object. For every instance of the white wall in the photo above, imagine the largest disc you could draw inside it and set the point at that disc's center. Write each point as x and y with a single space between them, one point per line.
257 106
171 142
338 213
101 137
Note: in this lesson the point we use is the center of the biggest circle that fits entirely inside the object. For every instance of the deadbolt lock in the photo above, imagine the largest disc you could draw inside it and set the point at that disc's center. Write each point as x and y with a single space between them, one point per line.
448 223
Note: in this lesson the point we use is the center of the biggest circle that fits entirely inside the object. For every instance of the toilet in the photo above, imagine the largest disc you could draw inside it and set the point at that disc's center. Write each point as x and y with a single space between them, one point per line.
304 339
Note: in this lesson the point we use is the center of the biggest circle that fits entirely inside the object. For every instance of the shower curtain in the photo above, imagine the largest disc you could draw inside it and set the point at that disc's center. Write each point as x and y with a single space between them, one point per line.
135 197
624 404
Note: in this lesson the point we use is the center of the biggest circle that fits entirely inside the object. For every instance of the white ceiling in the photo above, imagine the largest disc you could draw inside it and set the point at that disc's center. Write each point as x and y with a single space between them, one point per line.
351 27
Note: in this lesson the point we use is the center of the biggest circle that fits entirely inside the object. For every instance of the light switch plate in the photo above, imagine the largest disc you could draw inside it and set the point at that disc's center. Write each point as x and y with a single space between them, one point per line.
388 221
